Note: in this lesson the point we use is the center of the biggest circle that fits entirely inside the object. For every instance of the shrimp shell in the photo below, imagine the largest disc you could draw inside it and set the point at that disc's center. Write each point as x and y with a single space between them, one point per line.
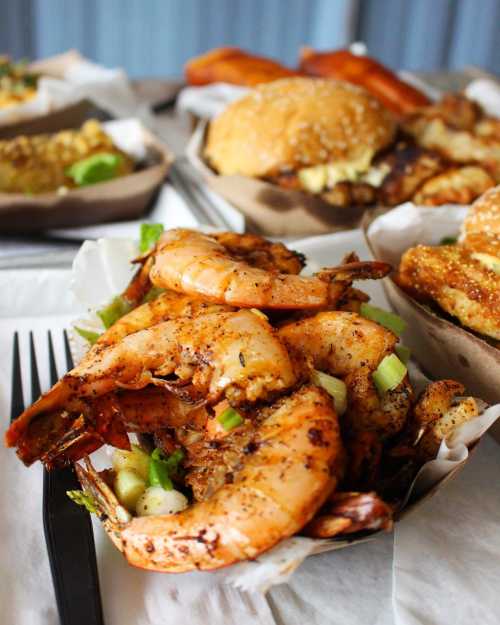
194 263
233 353
277 491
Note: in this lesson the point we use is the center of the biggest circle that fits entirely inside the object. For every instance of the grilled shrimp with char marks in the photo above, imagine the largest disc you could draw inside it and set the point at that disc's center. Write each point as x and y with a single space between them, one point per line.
233 354
278 489
198 264
347 345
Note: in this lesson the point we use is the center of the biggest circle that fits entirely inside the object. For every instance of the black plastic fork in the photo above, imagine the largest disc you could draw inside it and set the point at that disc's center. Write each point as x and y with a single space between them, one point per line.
67 527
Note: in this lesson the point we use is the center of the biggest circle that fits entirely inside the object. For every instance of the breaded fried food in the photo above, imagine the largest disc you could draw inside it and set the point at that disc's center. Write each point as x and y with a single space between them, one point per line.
459 283
38 163
409 166
484 215
454 109
235 66
458 129
460 185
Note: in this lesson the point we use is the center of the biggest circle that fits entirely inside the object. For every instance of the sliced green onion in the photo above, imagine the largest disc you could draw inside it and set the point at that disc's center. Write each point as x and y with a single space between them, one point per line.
403 353
83 499
114 311
448 241
389 374
96 168
230 419
162 468
150 233
335 387
384 318
88 335
153 293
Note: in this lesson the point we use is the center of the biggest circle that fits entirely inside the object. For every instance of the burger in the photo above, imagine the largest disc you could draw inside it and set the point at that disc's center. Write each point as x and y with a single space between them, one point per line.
319 136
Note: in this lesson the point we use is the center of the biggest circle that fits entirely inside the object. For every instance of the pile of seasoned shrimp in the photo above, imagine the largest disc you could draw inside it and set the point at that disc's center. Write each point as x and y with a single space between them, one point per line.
258 403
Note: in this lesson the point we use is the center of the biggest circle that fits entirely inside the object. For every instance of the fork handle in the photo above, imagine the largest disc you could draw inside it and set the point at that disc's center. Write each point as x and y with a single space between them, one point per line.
69 527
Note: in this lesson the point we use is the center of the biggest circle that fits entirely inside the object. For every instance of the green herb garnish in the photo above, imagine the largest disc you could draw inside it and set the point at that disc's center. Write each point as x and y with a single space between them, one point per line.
384 318
403 353
162 468
84 499
448 241
115 310
230 419
150 233
88 335
97 168
153 293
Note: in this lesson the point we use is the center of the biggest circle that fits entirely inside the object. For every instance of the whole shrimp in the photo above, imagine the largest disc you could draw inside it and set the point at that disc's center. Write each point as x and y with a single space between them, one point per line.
198 264
232 354
283 479
351 347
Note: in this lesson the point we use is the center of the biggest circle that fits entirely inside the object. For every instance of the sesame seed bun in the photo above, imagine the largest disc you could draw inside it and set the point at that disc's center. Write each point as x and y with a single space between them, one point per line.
294 123
484 215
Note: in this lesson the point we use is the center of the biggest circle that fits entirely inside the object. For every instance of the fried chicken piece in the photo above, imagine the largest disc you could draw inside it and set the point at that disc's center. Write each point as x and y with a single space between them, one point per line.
459 283
459 146
350 194
410 166
459 185
488 127
234 66
454 109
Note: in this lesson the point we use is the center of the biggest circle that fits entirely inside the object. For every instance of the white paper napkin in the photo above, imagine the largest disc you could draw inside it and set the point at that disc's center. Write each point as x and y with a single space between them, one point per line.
109 89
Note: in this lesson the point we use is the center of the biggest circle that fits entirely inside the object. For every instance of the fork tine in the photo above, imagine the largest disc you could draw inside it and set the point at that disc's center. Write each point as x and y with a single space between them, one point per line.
16 397
52 360
35 380
67 350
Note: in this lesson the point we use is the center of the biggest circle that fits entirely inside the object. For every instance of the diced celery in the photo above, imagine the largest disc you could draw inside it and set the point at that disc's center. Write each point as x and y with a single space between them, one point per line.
404 353
88 335
128 487
115 310
384 318
389 374
150 233
335 387
230 419
156 501
137 460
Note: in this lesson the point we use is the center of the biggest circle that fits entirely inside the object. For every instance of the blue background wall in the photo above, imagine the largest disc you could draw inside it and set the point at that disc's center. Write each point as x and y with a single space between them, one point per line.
156 37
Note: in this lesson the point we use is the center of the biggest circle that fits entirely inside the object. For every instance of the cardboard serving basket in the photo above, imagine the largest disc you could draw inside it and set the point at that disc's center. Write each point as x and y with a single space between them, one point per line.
126 197
57 117
442 348
268 208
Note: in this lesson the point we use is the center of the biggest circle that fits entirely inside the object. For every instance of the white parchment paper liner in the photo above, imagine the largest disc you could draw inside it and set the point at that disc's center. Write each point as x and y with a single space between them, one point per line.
101 270
72 79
